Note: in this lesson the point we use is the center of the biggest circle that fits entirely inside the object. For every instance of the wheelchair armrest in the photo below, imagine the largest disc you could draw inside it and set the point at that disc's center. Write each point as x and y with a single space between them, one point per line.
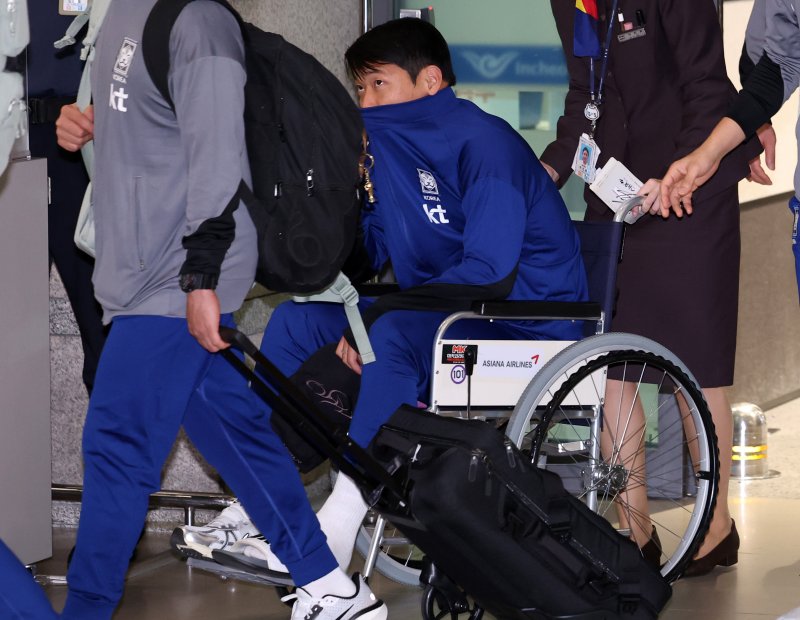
376 290
579 310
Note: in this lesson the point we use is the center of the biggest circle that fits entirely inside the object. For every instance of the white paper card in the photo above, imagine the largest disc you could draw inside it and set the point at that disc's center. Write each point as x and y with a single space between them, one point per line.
614 184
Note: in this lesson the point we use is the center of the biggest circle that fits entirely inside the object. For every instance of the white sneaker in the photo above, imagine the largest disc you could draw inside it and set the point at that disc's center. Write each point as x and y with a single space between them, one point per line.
252 555
198 541
363 605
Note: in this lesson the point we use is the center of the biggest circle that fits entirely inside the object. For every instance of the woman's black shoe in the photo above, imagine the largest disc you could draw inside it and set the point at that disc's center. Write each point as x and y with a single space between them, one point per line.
726 553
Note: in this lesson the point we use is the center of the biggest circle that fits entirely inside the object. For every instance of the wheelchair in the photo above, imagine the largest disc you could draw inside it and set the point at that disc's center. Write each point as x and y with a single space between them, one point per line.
618 416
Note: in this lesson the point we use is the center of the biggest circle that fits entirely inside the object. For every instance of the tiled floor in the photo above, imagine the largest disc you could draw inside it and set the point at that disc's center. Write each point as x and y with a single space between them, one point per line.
765 584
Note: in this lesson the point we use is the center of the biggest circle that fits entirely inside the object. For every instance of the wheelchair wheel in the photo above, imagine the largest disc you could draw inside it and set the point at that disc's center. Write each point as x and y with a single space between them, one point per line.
623 422
397 558
435 605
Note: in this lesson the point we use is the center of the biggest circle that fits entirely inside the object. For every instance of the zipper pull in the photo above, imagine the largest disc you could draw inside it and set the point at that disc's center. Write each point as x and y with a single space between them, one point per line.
512 461
369 162
369 187
472 474
310 182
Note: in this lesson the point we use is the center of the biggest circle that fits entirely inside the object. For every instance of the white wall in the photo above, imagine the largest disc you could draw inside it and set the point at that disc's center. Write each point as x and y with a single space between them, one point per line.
735 16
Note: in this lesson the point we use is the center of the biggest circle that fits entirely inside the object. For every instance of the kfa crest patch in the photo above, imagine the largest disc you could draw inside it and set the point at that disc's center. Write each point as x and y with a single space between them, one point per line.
125 57
427 182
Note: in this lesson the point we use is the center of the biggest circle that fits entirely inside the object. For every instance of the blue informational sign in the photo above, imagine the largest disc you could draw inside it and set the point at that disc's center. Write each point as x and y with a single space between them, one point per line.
509 64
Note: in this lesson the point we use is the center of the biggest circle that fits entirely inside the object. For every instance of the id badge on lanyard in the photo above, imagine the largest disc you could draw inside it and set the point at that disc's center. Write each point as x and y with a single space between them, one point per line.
584 163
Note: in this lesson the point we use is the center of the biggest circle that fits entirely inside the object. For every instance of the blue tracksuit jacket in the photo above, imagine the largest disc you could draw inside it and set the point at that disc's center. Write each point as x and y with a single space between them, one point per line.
462 201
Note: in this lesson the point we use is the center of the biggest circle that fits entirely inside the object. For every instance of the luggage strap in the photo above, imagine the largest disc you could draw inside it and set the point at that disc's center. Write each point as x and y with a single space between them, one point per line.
630 586
559 522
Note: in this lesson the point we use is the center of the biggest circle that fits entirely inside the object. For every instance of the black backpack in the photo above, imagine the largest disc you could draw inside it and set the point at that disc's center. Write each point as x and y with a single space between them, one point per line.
304 140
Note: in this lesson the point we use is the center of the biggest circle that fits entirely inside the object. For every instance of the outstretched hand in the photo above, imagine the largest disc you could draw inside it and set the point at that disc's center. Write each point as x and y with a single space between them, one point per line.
682 179
687 174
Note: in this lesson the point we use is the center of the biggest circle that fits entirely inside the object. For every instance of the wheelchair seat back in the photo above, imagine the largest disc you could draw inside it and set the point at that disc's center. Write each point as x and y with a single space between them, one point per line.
601 250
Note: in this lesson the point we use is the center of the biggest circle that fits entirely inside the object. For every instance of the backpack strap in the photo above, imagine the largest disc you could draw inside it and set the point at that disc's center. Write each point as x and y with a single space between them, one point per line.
78 22
155 43
94 15
343 291
155 40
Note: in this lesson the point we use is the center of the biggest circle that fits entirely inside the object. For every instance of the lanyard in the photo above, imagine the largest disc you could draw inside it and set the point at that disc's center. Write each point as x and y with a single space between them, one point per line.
592 110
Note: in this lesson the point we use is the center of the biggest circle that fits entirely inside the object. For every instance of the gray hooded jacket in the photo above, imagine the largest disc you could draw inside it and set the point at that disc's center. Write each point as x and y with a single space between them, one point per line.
159 175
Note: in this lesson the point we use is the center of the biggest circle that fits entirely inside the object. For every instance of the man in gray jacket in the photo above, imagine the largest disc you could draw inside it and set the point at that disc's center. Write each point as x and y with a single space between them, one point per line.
175 257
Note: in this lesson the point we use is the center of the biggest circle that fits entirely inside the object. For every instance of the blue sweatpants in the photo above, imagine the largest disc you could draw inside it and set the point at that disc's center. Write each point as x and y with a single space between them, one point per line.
402 341
21 598
153 376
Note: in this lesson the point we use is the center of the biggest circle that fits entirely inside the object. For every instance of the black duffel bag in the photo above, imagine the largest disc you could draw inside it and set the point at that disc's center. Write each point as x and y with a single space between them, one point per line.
506 532
333 388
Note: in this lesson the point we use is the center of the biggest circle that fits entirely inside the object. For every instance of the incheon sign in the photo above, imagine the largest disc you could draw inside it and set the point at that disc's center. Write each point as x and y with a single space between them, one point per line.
516 64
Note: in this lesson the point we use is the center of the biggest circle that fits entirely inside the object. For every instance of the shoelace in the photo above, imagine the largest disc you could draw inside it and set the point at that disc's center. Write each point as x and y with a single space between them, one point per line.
310 603
223 520
292 597
263 555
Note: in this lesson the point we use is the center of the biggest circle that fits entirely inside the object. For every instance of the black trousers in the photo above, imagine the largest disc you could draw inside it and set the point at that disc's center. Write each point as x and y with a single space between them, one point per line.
68 182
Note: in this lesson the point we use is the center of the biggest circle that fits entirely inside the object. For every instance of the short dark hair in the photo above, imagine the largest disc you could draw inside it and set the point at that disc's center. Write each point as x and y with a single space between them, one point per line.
411 44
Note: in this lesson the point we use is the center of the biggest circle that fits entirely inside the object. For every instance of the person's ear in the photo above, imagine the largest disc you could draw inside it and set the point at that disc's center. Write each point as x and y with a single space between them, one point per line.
432 79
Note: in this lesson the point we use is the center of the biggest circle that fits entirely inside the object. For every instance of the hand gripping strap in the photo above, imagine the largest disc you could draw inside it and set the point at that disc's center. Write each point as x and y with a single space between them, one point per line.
94 15
342 291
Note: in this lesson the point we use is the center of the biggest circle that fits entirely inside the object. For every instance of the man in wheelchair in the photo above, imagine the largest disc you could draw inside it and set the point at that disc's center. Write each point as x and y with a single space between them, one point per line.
463 210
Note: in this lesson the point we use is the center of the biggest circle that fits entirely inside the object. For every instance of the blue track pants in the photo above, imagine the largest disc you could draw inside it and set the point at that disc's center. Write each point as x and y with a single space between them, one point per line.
402 341
154 376
21 598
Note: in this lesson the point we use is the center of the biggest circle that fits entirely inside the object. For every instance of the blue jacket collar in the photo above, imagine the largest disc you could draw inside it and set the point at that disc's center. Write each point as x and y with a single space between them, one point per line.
411 111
